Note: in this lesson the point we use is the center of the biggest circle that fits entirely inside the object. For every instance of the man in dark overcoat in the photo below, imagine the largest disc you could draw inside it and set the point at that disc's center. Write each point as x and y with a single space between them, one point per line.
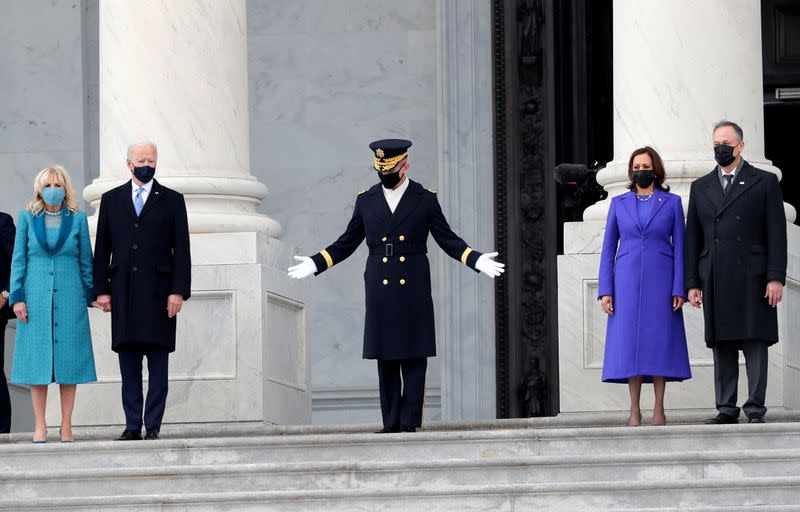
735 257
142 274
395 217
7 234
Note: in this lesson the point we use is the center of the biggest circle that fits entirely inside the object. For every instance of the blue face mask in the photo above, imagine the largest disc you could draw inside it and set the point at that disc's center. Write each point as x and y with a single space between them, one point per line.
53 196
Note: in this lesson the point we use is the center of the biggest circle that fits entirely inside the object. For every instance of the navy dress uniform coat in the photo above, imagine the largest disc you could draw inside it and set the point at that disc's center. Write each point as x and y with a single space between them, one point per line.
140 261
397 277
735 243
7 236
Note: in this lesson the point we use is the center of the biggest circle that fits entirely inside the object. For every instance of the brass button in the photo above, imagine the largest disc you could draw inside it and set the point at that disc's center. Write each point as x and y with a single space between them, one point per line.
402 281
402 238
385 282
383 239
385 259
402 259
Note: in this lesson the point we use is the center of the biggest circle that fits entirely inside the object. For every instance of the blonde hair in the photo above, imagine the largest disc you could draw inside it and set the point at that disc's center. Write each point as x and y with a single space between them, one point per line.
42 179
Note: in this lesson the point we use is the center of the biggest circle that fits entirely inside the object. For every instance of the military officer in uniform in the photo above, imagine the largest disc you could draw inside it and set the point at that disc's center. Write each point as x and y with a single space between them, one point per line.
395 217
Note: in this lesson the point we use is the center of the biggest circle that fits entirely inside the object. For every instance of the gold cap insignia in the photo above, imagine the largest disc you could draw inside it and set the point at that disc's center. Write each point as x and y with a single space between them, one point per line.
379 153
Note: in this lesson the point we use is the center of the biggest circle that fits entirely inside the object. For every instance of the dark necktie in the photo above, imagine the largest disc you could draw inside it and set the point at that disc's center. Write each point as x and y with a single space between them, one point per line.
728 178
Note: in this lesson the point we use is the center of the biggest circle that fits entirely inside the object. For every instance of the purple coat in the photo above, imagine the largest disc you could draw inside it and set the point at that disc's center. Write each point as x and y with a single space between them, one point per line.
644 336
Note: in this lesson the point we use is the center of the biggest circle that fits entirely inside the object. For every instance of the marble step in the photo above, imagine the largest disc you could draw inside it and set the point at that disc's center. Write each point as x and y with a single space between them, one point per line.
436 445
765 493
398 447
647 467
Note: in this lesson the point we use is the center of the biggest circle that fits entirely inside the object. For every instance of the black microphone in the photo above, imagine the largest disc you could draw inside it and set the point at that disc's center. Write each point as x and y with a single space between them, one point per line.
570 173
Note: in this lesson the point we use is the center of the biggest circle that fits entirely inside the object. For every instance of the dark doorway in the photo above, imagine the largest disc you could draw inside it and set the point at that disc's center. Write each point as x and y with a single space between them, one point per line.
552 103
780 31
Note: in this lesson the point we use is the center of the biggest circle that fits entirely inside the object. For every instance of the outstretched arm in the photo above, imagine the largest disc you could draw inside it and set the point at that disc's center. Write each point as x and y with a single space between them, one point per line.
458 249
335 253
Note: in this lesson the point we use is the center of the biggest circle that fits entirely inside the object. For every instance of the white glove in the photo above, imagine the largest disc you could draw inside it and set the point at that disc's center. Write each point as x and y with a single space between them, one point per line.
305 268
488 266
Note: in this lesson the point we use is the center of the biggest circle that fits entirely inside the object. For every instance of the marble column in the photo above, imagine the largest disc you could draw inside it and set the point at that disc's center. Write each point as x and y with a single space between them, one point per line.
175 72
679 67
465 320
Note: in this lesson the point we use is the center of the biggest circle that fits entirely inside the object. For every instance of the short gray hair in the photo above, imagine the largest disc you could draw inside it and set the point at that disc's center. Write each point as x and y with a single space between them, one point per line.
140 144
736 128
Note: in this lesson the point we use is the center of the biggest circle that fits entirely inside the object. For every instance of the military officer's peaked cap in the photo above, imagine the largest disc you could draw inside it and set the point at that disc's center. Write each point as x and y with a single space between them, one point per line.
389 152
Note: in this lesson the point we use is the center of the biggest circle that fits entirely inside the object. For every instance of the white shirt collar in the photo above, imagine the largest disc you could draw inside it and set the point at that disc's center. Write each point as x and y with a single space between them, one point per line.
147 186
393 196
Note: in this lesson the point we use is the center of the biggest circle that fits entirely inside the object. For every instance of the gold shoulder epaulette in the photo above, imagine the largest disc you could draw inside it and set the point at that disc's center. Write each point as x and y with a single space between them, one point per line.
431 191
362 192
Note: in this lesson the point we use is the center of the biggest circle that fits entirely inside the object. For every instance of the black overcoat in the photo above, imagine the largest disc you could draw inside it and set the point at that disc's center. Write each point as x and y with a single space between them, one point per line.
7 234
399 321
140 262
734 245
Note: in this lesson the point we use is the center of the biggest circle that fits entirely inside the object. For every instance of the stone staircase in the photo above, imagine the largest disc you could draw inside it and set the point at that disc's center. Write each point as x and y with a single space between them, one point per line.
565 463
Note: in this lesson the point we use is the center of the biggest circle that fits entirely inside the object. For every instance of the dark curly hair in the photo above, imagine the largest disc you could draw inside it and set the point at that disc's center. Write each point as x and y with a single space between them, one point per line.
658 168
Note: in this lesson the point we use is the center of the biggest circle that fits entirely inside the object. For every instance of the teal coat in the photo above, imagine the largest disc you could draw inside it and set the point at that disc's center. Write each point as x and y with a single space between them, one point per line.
55 345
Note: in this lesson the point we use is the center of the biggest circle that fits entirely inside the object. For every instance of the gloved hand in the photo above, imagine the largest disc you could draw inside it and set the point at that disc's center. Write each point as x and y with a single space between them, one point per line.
488 266
305 268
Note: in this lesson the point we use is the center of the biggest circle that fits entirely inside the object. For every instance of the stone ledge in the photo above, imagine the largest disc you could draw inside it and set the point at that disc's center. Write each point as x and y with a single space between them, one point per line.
259 429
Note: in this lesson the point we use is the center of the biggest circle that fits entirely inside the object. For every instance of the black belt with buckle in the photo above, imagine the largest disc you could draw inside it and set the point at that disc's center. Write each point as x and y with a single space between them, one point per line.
391 249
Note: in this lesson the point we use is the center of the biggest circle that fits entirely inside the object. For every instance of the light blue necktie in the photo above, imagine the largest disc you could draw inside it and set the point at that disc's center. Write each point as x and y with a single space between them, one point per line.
138 203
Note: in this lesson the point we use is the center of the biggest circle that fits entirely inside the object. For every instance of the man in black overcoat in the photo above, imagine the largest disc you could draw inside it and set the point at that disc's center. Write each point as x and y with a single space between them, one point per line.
142 274
7 233
735 257
395 217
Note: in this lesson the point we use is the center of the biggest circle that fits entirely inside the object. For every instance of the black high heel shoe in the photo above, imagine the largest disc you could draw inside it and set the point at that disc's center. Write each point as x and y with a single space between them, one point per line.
629 424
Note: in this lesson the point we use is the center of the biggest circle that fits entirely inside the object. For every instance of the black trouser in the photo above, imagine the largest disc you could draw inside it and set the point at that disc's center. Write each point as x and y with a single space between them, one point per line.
402 400
726 376
5 399
130 367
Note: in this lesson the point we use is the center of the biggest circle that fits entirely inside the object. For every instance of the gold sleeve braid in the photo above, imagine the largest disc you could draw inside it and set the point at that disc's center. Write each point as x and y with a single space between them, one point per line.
327 257
465 255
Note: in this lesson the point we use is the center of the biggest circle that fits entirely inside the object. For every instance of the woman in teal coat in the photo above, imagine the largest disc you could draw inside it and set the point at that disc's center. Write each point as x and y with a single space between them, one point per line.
51 286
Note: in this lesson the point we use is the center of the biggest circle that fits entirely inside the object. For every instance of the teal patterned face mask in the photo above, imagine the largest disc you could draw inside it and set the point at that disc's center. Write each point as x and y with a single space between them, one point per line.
53 196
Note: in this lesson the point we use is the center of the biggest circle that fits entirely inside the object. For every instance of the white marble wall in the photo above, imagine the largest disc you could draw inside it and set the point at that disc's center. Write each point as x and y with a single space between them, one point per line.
327 78
41 95
465 322
42 114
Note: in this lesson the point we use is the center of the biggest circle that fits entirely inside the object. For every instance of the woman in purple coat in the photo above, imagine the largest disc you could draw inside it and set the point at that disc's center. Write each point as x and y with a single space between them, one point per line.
641 285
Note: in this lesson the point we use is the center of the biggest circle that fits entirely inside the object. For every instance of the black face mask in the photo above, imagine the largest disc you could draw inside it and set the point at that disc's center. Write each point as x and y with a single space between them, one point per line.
644 178
144 173
723 154
390 180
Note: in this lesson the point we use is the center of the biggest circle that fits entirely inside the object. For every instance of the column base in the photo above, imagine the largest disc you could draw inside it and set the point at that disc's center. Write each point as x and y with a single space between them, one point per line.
241 349
681 172
215 204
582 330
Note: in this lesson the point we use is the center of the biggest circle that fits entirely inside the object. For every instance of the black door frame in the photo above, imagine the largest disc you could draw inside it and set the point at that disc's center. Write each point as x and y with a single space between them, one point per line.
525 203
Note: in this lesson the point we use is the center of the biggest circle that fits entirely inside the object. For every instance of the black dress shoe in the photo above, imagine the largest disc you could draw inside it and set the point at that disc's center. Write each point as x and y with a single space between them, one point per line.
756 419
722 419
152 434
387 430
130 435
407 429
